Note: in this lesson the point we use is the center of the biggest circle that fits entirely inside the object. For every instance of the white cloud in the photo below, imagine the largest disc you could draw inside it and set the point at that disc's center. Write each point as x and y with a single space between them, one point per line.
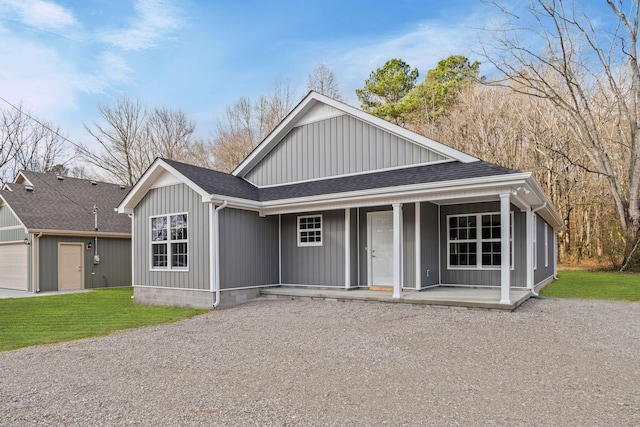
42 15
154 20
421 47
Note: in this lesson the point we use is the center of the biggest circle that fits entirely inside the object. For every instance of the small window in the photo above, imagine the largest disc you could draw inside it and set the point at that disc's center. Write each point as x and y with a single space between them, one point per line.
546 245
310 230
169 242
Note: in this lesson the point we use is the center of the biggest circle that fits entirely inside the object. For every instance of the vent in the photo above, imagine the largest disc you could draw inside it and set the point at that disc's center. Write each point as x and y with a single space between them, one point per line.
60 178
94 183
122 187
28 188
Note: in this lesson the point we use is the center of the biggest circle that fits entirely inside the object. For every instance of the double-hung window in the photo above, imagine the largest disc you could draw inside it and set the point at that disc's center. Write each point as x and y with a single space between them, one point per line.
169 243
310 230
473 241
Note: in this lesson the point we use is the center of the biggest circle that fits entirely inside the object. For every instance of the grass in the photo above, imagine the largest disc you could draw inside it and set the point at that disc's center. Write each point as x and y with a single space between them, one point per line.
44 320
595 285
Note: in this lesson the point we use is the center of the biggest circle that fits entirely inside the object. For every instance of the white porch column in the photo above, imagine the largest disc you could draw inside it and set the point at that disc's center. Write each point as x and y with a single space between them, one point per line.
529 248
505 276
347 248
397 250
417 239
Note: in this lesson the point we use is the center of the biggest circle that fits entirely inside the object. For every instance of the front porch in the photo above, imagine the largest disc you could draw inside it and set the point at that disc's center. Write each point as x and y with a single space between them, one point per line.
456 296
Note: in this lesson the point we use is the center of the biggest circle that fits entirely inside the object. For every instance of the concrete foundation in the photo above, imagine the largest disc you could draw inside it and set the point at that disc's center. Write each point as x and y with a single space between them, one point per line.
190 297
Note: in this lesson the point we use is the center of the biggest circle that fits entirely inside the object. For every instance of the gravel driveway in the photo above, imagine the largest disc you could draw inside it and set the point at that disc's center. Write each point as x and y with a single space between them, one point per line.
282 362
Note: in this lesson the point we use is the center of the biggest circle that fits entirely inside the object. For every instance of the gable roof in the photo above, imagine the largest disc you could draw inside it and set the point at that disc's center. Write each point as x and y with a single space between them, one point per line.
310 103
64 204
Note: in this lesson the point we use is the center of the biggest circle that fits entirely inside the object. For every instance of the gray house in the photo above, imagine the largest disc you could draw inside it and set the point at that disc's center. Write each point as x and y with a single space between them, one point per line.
337 198
48 236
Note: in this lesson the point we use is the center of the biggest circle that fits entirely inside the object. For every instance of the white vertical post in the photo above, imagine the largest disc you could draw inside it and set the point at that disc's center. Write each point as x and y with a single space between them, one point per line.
505 274
347 248
397 250
529 248
280 250
417 250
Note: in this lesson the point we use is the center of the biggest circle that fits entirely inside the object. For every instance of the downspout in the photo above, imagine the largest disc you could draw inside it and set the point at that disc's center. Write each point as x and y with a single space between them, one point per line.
533 285
214 245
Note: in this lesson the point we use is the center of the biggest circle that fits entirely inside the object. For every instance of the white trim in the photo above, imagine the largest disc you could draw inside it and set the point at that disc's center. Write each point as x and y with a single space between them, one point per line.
534 242
347 248
12 242
529 247
302 244
397 250
12 227
326 178
146 182
168 243
478 241
439 244
309 102
505 248
280 249
417 236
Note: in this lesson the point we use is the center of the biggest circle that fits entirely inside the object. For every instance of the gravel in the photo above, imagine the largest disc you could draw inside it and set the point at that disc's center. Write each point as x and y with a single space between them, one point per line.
290 362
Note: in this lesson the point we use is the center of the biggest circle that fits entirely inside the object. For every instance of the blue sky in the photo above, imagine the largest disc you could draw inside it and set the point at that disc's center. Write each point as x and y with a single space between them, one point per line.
62 58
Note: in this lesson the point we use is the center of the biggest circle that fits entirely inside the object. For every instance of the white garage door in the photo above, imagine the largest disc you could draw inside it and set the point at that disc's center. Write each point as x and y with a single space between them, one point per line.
13 266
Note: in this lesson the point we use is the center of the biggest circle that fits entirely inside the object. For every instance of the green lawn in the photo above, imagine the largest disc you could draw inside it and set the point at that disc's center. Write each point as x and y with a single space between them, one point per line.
595 285
50 319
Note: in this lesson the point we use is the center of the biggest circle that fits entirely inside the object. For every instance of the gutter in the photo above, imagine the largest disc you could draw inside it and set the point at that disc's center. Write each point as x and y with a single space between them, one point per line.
214 245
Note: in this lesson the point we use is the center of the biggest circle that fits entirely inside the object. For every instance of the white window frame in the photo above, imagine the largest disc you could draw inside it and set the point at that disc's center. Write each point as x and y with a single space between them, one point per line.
301 231
478 241
535 242
546 245
168 243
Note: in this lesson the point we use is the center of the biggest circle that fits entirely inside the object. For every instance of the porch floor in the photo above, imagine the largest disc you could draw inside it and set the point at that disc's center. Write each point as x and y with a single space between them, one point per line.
441 295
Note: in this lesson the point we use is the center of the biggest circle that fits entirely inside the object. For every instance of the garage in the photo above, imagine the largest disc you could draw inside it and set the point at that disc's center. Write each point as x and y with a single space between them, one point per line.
13 266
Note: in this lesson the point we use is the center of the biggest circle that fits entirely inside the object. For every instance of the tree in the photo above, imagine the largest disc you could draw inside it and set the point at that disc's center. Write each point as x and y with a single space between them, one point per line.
28 143
132 136
385 91
435 96
246 123
588 72
323 81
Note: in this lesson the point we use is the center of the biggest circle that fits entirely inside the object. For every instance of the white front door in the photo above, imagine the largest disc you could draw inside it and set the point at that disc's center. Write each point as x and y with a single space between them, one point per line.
380 245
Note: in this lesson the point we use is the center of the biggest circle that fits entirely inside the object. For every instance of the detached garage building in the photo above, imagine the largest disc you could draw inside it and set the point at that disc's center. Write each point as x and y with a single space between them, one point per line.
61 233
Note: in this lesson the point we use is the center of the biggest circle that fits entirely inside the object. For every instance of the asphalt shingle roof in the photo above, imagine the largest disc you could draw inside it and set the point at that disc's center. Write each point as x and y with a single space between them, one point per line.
221 183
67 205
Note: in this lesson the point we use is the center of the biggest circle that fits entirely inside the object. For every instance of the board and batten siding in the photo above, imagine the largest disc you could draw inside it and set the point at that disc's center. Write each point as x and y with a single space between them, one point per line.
249 249
9 231
333 147
114 268
542 273
173 199
314 265
429 245
478 277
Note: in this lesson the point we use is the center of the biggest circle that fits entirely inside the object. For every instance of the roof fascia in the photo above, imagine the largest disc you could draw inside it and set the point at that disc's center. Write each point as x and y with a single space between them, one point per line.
73 233
310 100
147 180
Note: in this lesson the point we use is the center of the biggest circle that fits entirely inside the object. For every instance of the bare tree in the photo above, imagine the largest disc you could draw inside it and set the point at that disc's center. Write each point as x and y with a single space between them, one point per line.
323 81
28 143
169 132
246 123
590 76
132 136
